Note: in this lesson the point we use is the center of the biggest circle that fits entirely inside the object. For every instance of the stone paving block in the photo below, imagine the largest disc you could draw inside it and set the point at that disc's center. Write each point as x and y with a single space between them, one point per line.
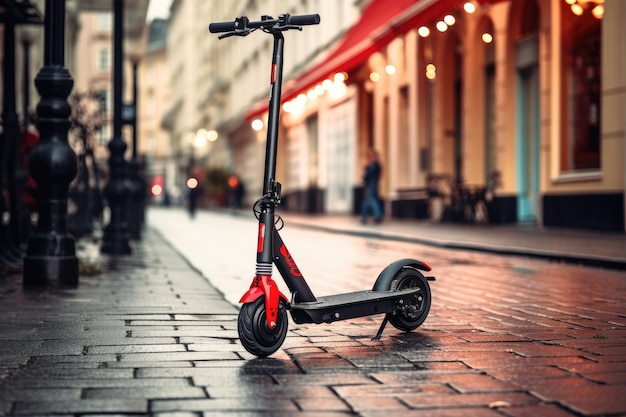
57 372
363 403
588 399
519 361
32 394
260 388
468 400
214 377
322 404
325 364
442 366
447 412
148 364
101 383
440 356
325 379
525 377
118 406
176 356
66 359
543 410
392 390
24 347
223 405
144 392
607 351
224 334
272 413
136 348
215 346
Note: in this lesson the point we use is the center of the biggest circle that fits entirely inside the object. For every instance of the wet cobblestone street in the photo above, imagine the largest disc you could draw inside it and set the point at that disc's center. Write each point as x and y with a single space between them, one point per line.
156 334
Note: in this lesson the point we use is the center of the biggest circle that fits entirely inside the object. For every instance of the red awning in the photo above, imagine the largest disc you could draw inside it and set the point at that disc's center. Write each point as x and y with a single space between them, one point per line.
380 22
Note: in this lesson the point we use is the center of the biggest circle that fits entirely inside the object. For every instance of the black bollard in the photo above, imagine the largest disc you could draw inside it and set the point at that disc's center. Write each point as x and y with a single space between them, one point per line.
51 254
115 240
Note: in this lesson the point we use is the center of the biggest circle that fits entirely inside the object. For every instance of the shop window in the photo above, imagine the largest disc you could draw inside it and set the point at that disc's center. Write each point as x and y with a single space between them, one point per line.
582 85
104 62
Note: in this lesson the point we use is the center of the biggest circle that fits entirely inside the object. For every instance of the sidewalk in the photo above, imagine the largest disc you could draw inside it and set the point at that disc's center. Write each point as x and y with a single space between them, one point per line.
149 335
573 246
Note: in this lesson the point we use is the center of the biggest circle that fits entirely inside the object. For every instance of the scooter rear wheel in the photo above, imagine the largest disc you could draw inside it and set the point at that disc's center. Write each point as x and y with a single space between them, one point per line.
254 332
411 316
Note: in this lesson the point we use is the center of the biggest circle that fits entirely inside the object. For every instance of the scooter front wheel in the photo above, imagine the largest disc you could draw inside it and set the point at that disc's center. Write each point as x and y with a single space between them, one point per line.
411 316
255 334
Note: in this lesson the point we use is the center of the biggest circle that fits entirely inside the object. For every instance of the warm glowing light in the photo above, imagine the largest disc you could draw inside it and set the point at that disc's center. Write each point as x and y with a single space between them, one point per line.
311 94
390 69
340 77
257 124
338 90
570 2
577 9
211 135
449 19
327 84
287 107
441 26
156 190
423 31
375 77
598 11
469 7
487 38
431 71
319 89
199 141
192 183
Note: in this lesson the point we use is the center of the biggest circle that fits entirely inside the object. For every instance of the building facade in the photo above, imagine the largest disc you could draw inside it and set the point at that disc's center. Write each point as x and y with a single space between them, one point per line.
529 92
154 98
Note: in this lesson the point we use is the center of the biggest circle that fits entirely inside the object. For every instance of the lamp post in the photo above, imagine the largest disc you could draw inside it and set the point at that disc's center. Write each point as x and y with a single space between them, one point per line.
115 240
9 233
137 194
51 253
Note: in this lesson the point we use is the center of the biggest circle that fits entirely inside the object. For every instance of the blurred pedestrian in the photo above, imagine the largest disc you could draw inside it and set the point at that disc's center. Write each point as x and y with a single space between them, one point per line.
236 191
195 190
371 178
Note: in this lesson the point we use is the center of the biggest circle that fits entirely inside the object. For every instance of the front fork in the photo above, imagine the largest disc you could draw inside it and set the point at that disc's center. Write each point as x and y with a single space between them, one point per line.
263 284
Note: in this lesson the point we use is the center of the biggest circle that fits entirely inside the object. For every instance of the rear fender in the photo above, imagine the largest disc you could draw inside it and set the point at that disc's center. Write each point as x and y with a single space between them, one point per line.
383 282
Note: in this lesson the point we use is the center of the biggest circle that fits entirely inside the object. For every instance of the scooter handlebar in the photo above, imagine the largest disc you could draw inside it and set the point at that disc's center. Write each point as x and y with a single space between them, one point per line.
219 27
243 23
304 20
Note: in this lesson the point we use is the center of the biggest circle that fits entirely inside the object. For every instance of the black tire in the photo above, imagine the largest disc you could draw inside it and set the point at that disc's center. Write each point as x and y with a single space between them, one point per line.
413 315
254 333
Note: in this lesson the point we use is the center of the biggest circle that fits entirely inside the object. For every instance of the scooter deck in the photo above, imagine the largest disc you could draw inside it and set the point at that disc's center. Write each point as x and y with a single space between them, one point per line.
346 306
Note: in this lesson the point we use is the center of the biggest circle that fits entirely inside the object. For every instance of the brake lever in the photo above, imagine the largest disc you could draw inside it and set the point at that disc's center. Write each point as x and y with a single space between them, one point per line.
289 27
242 32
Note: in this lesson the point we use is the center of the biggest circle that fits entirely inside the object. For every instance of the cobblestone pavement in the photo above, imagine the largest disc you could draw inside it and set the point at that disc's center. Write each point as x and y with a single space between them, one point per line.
155 334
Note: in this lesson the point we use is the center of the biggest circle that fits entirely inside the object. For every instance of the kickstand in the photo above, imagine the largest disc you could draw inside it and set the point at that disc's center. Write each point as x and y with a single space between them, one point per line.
382 327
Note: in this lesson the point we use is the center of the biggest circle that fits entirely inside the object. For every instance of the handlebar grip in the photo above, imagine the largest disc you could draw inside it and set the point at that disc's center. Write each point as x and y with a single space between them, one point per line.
304 19
218 27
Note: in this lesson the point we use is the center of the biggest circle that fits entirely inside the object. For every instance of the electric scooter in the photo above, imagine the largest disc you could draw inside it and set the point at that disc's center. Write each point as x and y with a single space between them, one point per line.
401 291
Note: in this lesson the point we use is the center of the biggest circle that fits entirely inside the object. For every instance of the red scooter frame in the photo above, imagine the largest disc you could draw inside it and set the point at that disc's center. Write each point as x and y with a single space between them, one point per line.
401 291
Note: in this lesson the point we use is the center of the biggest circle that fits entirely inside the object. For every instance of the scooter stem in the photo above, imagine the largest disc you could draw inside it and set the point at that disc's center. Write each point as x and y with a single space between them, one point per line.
271 144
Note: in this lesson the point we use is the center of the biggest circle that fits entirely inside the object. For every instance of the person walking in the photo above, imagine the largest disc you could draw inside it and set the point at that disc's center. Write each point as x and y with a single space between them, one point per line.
371 177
